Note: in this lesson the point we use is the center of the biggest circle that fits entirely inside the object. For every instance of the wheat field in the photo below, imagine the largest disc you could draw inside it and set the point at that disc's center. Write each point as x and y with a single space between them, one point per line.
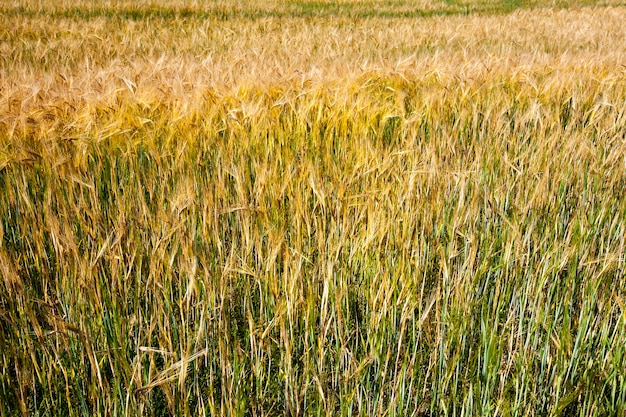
373 208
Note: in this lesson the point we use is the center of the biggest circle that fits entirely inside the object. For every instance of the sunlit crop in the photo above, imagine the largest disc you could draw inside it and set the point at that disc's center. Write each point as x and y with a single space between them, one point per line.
313 208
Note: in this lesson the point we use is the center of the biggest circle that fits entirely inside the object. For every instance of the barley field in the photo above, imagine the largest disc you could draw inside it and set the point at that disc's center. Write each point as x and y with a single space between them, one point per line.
297 208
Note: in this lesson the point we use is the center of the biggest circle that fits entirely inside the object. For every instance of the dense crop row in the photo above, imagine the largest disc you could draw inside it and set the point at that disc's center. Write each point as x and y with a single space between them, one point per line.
392 239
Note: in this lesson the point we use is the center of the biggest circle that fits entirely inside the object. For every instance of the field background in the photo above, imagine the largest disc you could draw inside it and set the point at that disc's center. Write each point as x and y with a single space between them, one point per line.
368 208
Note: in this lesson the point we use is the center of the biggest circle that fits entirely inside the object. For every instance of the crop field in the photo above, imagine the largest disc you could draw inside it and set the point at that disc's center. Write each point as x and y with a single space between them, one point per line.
329 208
